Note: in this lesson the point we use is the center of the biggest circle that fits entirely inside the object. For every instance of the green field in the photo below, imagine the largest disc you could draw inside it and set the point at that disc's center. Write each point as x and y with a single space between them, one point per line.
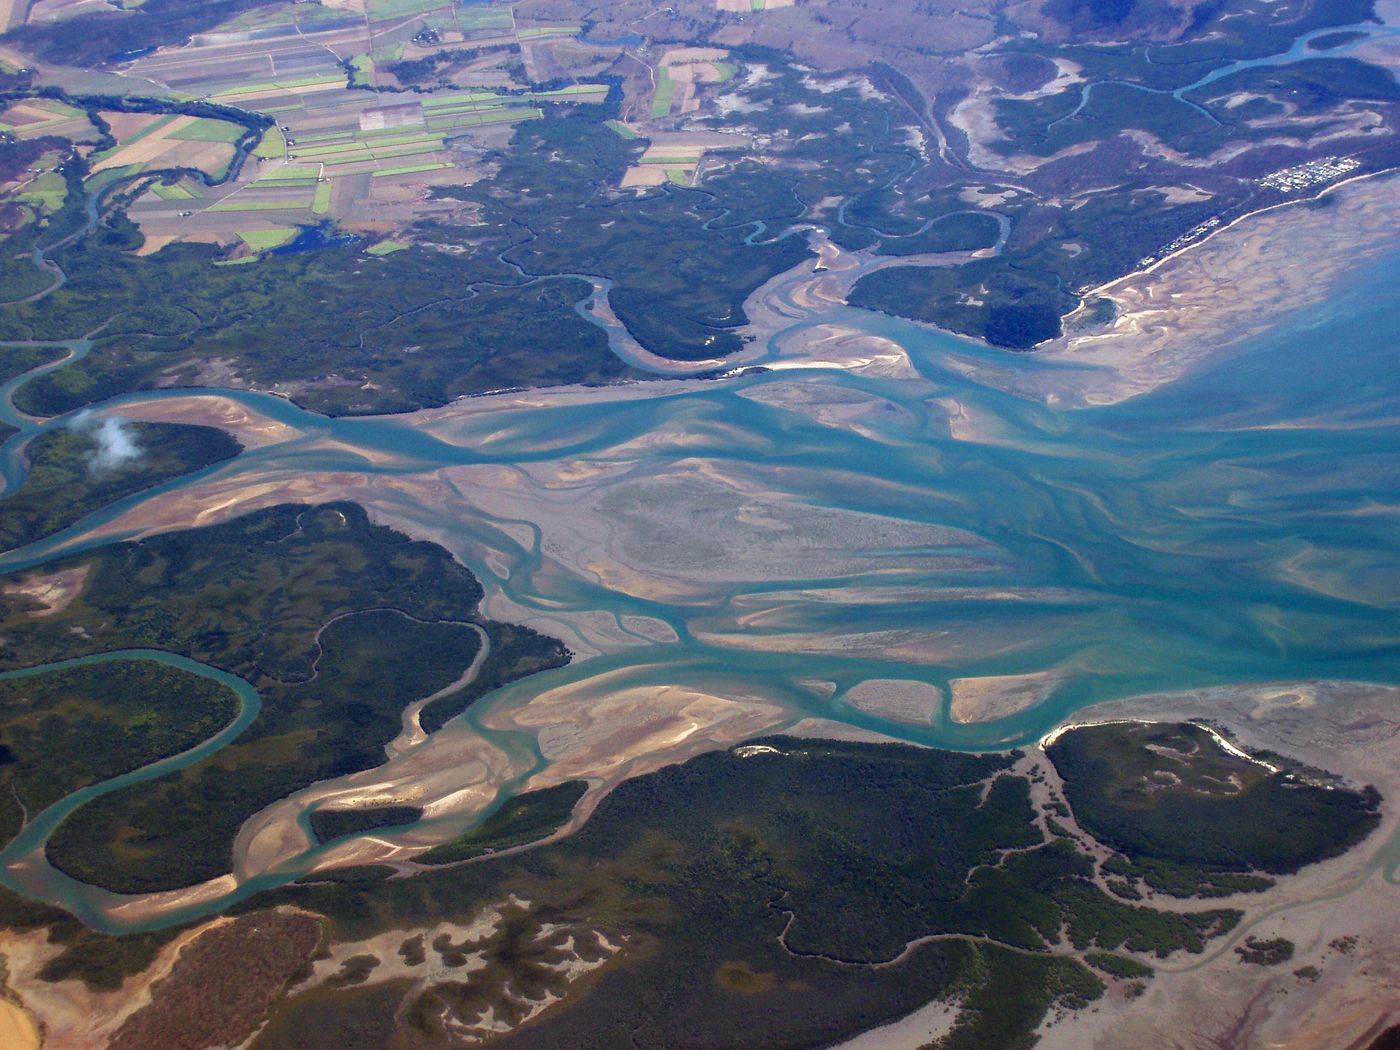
665 91
209 130
387 248
361 71
263 240
176 191
321 202
622 129
383 10
410 169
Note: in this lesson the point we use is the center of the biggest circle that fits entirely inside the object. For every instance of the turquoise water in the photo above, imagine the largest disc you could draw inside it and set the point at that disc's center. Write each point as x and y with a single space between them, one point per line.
1239 525
22 865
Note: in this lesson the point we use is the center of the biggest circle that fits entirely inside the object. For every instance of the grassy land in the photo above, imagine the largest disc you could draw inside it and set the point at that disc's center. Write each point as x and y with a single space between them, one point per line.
70 477
665 92
250 597
264 240
209 130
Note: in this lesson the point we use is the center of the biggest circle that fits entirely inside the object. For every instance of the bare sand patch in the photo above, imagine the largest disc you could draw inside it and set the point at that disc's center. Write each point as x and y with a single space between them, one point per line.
898 699
251 427
1219 292
17 1028
994 697
605 730
54 591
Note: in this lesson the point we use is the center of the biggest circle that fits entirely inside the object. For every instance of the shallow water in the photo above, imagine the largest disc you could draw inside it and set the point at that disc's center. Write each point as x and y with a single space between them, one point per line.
1239 525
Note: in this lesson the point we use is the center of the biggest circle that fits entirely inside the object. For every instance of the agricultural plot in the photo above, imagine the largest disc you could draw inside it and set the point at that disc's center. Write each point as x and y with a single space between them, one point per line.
680 75
349 145
40 117
147 141
674 156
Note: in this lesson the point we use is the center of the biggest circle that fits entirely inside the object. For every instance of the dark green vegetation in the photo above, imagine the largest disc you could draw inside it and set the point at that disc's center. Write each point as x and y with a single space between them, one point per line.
15 361
75 471
337 623
331 824
90 39
63 730
680 260
525 818
1086 216
339 331
752 899
1271 952
1191 818
752 896
1117 965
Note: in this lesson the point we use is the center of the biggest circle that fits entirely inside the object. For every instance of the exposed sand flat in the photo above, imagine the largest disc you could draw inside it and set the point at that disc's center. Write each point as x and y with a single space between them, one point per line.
602 729
998 696
53 590
899 700
926 1025
833 406
1220 291
72 1016
17 1028
1352 729
252 429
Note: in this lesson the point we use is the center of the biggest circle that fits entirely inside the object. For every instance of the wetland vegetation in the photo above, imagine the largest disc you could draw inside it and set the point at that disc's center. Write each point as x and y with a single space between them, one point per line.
1190 819
65 729
374 622
90 464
